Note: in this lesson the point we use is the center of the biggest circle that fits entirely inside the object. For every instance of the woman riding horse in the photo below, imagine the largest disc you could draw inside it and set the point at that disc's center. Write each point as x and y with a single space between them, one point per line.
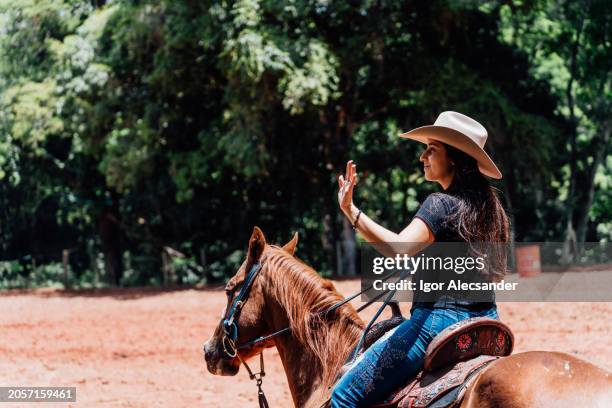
467 210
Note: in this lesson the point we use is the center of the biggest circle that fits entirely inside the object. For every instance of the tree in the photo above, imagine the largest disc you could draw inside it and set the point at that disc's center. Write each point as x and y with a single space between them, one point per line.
142 126
568 43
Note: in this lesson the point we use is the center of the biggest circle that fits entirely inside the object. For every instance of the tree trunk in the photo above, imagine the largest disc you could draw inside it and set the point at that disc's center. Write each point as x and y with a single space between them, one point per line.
110 235
328 242
349 246
507 198
206 271
65 265
583 206
570 248
570 234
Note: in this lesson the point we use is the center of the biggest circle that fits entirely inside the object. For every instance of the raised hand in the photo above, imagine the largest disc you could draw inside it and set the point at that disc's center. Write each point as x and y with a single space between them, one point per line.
346 183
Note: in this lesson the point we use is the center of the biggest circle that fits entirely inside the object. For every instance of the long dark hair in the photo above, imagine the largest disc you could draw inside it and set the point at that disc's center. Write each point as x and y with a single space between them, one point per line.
480 216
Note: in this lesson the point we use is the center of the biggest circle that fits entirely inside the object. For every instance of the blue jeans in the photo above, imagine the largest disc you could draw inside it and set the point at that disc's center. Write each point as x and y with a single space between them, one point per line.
396 357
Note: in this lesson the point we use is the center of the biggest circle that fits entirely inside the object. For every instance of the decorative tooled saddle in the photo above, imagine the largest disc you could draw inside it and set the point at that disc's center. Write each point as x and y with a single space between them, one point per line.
452 360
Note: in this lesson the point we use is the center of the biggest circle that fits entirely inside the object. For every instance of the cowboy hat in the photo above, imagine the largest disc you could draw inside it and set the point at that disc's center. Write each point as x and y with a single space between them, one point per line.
461 132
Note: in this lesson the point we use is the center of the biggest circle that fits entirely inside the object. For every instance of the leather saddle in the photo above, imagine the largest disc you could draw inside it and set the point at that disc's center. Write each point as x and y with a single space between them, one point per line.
452 361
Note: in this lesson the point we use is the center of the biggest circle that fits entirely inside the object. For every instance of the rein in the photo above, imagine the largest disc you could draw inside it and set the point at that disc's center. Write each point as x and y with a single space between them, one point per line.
230 330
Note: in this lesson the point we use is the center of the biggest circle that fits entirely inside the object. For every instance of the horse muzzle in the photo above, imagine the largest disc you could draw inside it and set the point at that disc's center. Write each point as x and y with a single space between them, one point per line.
215 363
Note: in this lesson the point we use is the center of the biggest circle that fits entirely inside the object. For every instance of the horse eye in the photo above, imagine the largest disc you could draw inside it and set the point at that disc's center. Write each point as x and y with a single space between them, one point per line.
229 291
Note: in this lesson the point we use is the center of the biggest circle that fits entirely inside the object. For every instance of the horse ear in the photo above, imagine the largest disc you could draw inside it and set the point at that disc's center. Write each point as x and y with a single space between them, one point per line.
290 246
257 243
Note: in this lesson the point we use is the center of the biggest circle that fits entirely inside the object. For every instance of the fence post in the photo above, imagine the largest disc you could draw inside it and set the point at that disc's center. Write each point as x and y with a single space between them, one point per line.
168 256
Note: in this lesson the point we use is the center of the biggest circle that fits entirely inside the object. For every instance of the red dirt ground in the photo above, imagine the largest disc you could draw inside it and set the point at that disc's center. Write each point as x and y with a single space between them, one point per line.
143 347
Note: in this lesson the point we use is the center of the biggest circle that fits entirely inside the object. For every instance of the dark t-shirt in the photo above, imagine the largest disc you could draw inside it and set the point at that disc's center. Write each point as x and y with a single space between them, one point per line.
437 211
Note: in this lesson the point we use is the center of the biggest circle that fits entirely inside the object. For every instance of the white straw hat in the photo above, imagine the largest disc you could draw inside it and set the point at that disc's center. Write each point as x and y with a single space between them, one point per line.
461 132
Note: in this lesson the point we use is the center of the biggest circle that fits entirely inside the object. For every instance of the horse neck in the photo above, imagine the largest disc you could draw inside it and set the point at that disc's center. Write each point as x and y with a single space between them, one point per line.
316 349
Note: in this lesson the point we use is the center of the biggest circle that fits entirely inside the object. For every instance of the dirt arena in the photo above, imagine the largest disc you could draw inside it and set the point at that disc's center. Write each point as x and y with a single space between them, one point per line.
143 347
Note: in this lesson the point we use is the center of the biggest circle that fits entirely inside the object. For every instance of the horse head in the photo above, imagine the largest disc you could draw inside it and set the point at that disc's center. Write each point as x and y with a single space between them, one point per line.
244 318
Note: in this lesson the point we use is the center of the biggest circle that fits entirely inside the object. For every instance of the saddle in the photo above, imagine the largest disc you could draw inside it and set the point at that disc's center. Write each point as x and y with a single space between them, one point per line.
452 360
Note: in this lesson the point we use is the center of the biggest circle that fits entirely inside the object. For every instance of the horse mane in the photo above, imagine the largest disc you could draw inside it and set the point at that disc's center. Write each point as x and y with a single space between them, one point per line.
303 294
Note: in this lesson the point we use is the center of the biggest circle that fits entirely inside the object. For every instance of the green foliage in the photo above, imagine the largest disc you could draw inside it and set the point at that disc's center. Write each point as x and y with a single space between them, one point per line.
128 127
569 48
14 275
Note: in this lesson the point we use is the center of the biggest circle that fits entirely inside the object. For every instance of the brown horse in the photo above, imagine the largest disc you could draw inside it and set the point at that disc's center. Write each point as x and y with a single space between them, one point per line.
287 292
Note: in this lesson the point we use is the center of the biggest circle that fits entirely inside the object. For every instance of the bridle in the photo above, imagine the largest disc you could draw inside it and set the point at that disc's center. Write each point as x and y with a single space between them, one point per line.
230 333
230 329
